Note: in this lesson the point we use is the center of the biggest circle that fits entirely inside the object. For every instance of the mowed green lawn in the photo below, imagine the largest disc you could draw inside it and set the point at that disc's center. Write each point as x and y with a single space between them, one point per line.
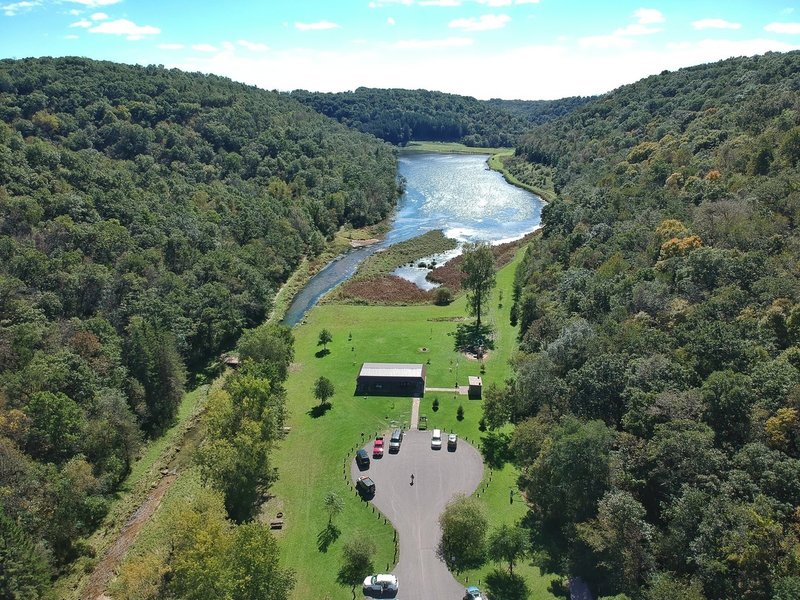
314 457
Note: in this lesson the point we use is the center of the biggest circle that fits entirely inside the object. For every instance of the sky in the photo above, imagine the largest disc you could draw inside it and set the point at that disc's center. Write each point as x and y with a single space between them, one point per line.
512 49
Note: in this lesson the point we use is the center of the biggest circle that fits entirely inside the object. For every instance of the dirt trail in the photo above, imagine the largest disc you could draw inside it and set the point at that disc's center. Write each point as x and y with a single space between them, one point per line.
176 457
107 567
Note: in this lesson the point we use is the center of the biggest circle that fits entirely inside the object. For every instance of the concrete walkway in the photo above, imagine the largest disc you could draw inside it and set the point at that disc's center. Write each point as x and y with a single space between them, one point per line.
462 389
414 413
414 509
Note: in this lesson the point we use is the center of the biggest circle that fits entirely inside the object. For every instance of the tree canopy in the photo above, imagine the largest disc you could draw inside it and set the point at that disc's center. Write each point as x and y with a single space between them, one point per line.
657 387
147 217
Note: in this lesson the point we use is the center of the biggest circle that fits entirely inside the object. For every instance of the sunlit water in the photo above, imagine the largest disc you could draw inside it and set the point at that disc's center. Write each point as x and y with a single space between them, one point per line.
456 193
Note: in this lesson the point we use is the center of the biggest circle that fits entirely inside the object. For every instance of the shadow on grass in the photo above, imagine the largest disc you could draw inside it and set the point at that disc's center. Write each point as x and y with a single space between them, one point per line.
495 449
322 353
327 536
469 338
506 586
319 410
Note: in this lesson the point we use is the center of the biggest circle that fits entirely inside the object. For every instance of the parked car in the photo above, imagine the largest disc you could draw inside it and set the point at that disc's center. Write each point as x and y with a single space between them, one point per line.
383 582
473 593
365 486
377 447
452 441
436 439
396 440
362 459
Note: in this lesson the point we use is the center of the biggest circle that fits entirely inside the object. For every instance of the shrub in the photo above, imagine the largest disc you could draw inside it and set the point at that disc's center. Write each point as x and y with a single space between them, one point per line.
460 413
435 405
443 296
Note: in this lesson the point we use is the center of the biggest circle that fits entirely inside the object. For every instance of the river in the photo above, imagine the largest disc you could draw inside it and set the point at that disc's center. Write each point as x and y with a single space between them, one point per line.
456 193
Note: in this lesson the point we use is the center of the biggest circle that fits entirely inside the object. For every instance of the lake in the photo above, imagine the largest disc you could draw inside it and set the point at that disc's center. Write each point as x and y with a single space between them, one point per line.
456 193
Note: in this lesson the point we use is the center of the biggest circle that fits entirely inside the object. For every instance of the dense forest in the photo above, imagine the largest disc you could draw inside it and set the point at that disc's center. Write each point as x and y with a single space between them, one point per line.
146 218
656 394
399 116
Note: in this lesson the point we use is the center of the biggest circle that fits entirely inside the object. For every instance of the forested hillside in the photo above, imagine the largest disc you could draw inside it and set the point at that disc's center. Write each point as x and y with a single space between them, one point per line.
399 116
147 216
657 392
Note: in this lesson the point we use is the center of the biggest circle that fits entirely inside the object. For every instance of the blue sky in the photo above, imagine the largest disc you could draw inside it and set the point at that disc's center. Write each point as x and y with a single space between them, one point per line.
529 49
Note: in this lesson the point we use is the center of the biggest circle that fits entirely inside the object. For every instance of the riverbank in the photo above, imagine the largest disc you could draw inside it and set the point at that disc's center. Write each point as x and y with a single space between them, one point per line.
345 239
496 162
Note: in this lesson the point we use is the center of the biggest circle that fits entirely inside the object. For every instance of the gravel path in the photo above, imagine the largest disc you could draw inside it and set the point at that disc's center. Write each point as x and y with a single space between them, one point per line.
414 510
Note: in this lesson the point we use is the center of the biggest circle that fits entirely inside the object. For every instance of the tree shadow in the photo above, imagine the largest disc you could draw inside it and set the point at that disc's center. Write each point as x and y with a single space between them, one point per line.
495 447
322 353
327 536
470 339
506 586
319 410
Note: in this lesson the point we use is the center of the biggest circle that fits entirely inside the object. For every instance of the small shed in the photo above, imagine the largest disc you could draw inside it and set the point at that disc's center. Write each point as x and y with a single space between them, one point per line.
391 379
475 387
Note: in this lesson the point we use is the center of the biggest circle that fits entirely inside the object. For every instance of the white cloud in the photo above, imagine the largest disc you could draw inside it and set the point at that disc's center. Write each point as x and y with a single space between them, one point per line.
82 23
526 2
451 42
390 21
125 27
648 16
93 3
171 46
715 24
446 3
790 28
99 16
605 42
482 23
621 38
318 26
204 48
11 10
496 3
253 46
568 70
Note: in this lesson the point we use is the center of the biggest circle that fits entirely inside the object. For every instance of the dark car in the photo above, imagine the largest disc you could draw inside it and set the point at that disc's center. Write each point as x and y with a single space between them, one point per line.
362 459
365 487
396 440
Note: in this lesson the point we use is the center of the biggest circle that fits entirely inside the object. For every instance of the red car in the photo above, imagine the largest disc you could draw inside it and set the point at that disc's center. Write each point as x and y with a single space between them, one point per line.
377 447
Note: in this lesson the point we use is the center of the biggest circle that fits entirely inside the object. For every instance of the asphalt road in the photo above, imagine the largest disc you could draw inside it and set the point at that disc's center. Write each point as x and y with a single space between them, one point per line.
414 510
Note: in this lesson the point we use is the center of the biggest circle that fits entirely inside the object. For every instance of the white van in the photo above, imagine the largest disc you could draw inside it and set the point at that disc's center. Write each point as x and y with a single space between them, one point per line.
436 439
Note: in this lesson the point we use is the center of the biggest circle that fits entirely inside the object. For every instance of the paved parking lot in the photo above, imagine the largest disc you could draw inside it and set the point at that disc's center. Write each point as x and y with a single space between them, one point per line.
414 510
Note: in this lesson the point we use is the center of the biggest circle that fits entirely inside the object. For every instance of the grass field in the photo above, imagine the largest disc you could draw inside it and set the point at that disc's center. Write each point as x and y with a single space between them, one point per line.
450 148
314 457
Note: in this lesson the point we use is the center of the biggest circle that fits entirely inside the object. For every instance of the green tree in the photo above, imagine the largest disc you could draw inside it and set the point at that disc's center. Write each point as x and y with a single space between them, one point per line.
324 339
252 566
57 426
508 544
234 457
154 362
729 399
323 389
357 556
622 540
443 296
271 345
463 543
479 277
24 572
